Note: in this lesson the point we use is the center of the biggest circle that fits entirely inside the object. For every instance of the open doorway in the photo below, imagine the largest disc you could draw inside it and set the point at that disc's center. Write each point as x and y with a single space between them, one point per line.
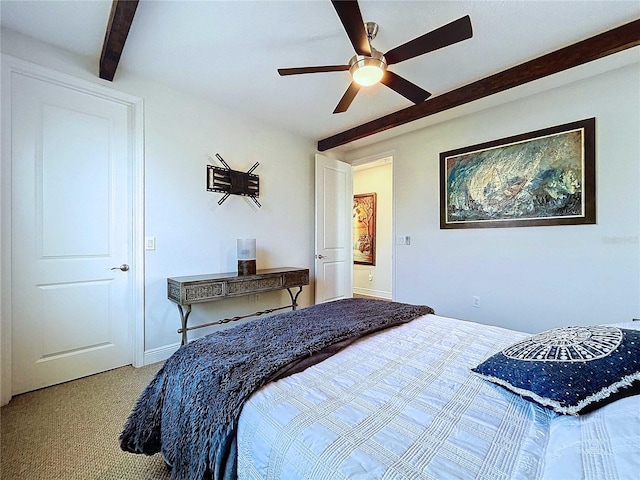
372 275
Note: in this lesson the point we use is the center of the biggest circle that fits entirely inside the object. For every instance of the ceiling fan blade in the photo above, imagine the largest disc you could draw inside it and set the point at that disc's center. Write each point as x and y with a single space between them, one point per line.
448 34
404 87
301 70
347 98
351 18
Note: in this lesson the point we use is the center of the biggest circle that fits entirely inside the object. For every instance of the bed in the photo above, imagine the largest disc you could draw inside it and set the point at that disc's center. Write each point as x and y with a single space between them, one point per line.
404 402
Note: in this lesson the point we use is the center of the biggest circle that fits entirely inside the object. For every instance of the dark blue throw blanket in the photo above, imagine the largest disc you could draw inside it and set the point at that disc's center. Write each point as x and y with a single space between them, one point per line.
190 410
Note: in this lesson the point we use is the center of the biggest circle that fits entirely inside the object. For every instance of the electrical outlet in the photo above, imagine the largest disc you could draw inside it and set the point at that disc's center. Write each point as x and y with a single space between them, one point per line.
476 302
371 277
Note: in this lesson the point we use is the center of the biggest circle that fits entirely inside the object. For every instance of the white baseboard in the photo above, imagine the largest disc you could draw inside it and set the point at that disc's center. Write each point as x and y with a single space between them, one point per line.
159 354
372 293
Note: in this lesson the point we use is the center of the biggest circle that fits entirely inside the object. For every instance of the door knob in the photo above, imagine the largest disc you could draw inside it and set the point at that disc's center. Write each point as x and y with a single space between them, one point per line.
124 267
320 256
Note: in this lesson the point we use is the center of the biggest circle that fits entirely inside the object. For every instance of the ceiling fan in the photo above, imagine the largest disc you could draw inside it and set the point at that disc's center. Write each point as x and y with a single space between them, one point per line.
369 66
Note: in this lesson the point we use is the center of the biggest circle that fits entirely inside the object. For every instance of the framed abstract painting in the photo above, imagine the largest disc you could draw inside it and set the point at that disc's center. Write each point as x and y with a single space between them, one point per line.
545 177
364 229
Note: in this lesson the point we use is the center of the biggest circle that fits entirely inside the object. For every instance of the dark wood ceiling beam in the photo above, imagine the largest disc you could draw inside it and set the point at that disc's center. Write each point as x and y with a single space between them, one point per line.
607 43
122 12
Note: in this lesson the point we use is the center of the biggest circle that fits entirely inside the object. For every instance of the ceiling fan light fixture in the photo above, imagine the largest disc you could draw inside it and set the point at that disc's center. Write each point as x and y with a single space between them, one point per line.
367 71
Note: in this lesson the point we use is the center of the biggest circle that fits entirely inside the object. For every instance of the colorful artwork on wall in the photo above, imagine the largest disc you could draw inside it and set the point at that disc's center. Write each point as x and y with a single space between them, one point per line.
364 229
546 177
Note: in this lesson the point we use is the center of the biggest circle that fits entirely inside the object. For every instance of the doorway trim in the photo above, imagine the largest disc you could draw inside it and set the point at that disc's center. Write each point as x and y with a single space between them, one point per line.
135 106
375 158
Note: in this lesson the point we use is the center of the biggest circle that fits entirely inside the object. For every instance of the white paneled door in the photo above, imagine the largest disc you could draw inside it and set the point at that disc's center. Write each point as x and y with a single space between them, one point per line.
70 232
333 211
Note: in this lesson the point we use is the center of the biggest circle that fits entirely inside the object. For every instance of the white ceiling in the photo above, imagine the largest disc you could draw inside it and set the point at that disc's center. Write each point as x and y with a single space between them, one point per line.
229 50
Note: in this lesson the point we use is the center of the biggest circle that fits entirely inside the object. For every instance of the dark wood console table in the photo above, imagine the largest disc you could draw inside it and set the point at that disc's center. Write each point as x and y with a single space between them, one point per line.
185 291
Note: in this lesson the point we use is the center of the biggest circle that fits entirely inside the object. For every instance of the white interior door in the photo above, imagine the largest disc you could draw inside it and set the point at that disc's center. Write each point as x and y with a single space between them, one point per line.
333 207
71 224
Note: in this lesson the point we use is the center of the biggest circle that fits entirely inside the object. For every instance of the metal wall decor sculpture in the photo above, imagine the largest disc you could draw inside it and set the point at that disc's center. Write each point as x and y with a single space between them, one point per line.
546 177
231 182
364 229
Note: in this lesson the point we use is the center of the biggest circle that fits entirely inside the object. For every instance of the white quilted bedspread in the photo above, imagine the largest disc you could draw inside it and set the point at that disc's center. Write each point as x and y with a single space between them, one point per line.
402 404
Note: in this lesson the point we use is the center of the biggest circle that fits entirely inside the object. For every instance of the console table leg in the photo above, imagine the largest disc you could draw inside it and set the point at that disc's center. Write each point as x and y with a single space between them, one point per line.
184 318
294 299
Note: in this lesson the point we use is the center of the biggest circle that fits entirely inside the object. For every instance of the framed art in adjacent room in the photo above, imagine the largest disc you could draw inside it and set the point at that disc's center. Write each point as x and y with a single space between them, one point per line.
364 229
545 177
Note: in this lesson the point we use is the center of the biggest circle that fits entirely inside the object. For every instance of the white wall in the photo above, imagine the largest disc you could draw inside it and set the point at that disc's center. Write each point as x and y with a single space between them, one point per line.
194 234
527 278
530 278
379 180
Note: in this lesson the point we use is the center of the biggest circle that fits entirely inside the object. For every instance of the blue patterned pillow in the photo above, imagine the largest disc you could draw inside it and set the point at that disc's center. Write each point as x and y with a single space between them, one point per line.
572 370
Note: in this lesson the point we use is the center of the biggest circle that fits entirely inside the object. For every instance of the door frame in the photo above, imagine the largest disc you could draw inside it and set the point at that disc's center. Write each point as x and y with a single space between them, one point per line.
374 158
135 106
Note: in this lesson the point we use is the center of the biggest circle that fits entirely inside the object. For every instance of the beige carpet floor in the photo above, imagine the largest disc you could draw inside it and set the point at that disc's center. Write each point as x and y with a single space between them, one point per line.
70 431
